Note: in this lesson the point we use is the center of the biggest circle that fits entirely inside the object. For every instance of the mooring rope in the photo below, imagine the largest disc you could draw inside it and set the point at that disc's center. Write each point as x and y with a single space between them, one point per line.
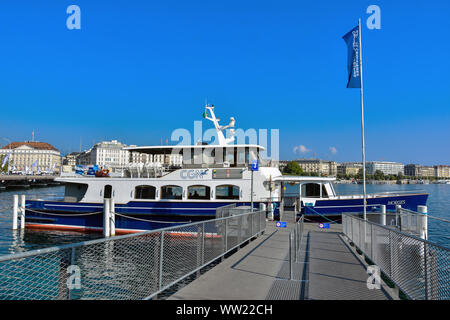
139 219
309 208
65 214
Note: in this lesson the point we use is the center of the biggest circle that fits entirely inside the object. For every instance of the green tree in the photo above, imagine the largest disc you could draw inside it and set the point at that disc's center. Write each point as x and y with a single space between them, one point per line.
293 168
360 174
379 175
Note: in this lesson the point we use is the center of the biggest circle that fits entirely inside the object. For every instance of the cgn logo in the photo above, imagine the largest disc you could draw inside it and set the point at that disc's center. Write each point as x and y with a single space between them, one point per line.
192 174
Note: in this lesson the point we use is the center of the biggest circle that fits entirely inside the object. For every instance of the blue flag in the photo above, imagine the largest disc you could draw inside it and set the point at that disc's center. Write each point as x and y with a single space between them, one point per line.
353 59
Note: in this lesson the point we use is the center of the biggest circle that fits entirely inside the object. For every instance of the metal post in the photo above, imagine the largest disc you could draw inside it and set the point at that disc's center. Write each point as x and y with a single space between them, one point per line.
251 225
295 243
397 212
106 213
282 202
425 263
161 256
112 218
15 209
22 211
239 236
371 239
423 210
203 243
390 254
291 239
383 215
251 191
72 263
226 234
362 122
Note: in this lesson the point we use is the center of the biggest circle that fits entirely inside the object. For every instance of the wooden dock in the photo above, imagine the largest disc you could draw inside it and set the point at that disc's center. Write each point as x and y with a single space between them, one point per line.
326 269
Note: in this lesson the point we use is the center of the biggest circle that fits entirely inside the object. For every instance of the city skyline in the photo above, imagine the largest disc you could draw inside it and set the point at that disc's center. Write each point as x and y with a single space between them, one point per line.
271 66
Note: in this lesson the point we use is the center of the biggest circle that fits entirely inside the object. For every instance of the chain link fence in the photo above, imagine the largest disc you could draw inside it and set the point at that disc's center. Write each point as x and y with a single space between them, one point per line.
135 266
419 268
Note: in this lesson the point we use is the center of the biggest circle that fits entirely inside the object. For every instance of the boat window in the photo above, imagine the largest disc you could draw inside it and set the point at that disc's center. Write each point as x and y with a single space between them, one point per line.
324 192
107 192
199 192
311 190
171 192
229 192
144 192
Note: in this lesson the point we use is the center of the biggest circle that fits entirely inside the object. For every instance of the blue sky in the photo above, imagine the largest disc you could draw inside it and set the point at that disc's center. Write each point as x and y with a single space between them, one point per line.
137 70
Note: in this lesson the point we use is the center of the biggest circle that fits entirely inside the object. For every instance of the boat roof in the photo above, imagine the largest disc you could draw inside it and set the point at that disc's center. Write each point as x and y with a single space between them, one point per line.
199 146
303 179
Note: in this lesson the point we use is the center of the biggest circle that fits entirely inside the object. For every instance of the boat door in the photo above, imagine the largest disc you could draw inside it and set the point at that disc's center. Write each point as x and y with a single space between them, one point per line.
310 192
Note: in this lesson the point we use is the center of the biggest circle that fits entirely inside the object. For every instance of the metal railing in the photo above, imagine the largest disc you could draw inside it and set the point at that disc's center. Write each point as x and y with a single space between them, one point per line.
134 266
419 268
295 242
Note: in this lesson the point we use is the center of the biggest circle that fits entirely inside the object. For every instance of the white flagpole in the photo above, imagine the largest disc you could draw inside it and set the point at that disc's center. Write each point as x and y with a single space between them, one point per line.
362 122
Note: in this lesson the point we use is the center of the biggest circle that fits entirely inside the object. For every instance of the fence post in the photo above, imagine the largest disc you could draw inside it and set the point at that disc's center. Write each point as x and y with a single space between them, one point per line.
397 212
22 211
390 254
425 263
383 215
203 243
161 258
72 263
106 213
15 210
423 210
291 240
199 248
112 218
251 225
225 242
239 235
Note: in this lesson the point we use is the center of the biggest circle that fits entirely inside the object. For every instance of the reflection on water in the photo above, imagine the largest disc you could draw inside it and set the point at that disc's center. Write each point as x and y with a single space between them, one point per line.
438 204
11 242
129 268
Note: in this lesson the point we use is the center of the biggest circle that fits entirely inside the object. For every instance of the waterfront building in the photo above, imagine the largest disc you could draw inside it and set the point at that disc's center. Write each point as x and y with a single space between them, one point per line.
113 155
321 167
386 167
442 171
282 164
416 170
106 154
71 159
349 168
32 155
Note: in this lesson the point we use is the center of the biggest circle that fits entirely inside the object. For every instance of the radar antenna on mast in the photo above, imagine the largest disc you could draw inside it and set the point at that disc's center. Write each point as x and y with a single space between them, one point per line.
219 129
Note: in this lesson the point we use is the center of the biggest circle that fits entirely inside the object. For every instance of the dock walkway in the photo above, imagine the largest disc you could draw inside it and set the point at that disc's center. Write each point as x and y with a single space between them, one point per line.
326 269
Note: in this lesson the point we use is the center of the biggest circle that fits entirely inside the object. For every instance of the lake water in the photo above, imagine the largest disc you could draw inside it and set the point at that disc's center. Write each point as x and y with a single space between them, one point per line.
19 241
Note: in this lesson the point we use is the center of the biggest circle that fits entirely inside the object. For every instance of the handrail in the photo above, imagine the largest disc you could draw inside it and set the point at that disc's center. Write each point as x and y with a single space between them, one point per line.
399 232
97 241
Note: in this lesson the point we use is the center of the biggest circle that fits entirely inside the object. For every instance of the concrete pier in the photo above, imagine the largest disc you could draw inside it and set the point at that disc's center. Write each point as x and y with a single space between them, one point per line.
28 181
326 268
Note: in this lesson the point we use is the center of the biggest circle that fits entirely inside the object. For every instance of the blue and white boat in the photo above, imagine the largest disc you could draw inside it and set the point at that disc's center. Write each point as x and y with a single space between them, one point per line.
208 177
160 195
317 198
